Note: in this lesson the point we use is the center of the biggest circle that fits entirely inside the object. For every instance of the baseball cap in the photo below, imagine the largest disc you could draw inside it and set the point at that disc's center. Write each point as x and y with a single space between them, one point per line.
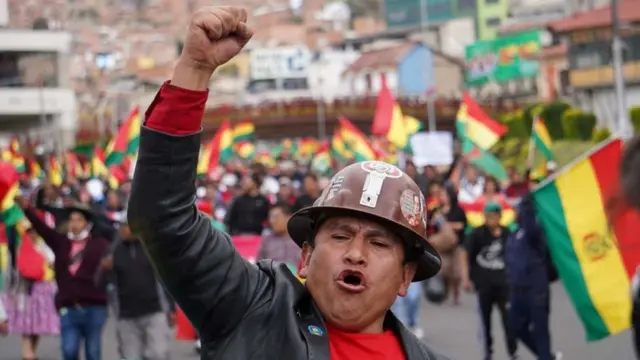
492 207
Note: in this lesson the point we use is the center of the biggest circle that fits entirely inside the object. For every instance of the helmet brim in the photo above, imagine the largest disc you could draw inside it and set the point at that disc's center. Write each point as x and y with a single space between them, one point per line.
302 225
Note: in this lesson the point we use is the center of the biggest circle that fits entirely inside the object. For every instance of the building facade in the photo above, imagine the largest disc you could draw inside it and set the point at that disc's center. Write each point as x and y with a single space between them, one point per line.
590 74
35 93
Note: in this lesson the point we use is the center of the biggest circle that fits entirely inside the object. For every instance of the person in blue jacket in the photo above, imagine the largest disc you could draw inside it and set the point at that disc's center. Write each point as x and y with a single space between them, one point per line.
529 275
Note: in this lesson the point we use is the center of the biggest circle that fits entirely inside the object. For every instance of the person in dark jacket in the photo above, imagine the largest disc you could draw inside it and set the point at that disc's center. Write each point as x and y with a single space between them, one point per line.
249 211
528 275
81 304
143 309
361 248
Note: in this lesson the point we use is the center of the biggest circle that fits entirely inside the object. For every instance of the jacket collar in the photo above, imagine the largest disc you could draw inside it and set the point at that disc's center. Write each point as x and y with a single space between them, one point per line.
313 329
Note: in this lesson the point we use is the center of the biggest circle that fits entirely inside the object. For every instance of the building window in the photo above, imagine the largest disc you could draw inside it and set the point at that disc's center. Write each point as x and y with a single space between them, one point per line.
493 22
467 5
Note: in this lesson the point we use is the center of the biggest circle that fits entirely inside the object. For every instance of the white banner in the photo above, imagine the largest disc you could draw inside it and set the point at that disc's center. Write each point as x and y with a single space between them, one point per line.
432 148
280 63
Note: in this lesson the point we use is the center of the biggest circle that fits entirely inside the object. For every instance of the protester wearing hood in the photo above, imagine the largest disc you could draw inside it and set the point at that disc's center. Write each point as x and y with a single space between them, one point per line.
81 304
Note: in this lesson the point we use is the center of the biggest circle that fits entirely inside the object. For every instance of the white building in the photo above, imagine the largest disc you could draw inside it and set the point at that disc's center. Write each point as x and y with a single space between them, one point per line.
34 86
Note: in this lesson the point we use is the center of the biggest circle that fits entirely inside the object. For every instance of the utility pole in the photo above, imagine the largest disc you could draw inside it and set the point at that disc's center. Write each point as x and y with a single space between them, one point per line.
623 126
430 94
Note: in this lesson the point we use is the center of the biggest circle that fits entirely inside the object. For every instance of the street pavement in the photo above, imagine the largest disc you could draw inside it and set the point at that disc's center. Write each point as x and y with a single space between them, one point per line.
452 331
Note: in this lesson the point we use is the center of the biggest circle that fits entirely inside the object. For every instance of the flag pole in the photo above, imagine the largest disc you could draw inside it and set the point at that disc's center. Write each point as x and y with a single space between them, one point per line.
532 147
587 154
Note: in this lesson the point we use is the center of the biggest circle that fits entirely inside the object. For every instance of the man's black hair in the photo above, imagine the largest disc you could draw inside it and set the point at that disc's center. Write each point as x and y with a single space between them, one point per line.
311 175
283 206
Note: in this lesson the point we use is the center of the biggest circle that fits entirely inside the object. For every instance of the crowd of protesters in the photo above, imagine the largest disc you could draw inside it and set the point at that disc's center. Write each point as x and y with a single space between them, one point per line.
101 269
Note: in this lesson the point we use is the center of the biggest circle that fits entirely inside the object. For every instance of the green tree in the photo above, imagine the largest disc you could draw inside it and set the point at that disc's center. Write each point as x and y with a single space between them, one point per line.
577 125
515 122
601 134
552 114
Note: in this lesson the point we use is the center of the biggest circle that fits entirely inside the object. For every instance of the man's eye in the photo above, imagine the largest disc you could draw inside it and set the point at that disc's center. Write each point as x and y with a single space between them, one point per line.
339 236
380 243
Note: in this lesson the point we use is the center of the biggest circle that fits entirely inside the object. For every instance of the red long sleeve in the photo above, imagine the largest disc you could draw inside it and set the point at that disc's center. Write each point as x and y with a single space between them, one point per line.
176 111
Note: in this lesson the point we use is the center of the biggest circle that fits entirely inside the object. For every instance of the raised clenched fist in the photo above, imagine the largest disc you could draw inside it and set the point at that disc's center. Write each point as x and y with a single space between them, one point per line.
216 34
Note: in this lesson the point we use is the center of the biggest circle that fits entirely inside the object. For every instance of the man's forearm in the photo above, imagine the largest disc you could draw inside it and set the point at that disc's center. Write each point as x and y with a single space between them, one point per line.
191 76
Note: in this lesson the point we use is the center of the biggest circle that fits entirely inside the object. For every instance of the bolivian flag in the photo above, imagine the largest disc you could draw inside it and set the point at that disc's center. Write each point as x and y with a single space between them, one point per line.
473 123
358 142
339 148
56 173
99 169
475 213
594 260
542 138
388 119
322 161
218 150
126 141
243 131
245 150
265 159
9 189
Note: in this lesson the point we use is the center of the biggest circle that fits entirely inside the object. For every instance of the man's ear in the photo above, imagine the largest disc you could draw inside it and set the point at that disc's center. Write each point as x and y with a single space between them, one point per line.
408 272
306 260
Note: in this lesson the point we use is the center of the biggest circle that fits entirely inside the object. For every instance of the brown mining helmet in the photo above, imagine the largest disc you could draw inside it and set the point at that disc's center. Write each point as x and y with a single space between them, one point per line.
383 193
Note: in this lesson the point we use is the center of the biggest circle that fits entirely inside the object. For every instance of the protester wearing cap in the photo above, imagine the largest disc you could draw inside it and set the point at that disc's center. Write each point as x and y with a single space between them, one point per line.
81 304
483 265
363 240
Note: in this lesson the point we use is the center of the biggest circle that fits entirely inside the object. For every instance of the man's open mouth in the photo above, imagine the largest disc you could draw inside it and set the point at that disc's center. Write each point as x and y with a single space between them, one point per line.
352 280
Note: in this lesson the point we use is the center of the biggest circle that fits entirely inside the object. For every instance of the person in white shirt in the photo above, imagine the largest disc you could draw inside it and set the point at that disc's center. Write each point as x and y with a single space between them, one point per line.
471 185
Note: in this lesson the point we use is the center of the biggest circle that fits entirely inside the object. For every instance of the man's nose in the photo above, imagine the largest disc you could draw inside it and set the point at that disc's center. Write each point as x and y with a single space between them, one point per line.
356 252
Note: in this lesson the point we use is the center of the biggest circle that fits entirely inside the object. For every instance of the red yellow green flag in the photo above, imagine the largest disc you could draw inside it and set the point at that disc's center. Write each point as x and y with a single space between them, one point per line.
388 120
126 141
245 150
56 173
475 213
321 161
474 124
596 254
243 131
218 150
265 159
358 142
72 164
339 148
99 169
9 189
542 138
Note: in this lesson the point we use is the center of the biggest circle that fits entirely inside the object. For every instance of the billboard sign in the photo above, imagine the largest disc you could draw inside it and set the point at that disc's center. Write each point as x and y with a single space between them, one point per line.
280 63
503 59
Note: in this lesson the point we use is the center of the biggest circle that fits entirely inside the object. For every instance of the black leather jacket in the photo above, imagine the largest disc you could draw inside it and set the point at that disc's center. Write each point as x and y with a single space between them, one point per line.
241 310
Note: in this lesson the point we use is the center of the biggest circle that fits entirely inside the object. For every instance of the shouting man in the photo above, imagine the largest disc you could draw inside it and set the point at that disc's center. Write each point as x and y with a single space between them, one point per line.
363 240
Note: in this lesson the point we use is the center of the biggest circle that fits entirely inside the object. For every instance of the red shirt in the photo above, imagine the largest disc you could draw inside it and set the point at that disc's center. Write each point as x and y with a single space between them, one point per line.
356 346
